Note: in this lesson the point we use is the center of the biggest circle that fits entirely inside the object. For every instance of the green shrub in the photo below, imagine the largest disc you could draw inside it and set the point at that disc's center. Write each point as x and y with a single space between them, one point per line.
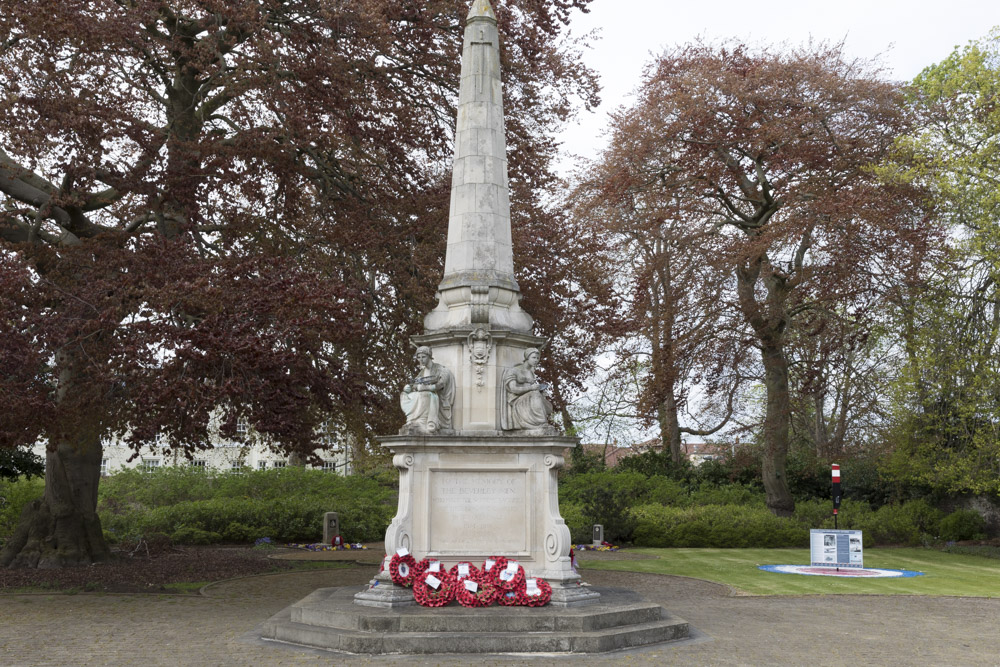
630 486
579 528
666 491
189 535
962 525
606 498
718 526
912 524
652 463
14 495
730 494
285 504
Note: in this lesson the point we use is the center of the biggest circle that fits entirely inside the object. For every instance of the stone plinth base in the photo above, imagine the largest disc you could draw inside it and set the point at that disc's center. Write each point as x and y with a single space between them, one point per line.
329 618
470 496
385 594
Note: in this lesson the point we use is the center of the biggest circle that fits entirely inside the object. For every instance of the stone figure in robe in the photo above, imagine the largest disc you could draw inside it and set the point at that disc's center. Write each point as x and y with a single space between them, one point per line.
428 399
523 405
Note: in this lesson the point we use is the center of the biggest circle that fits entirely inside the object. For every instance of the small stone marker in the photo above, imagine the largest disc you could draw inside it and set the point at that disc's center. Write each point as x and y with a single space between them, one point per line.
598 534
331 526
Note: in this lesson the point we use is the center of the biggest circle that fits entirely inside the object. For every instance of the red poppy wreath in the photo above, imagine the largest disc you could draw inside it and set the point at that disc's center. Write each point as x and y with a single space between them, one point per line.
510 578
402 569
472 593
492 567
431 565
433 589
464 570
535 593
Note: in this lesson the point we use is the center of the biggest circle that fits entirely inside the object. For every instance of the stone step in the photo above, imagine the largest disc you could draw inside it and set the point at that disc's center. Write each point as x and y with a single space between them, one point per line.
424 643
328 610
328 619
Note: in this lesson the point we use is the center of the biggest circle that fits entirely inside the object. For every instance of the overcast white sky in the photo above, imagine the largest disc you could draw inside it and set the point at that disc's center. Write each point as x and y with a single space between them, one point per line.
908 34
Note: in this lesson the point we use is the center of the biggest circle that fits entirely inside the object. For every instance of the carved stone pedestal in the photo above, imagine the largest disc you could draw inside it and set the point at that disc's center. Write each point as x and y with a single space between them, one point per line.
474 495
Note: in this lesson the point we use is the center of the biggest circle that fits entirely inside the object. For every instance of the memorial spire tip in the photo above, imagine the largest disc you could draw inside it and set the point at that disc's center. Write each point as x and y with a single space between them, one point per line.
482 8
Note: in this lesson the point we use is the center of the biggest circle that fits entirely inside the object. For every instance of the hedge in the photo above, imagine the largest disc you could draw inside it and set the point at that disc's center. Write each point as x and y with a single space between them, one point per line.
733 526
193 507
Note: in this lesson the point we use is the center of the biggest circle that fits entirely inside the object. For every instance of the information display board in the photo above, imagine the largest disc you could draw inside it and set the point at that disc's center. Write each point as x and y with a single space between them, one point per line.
836 548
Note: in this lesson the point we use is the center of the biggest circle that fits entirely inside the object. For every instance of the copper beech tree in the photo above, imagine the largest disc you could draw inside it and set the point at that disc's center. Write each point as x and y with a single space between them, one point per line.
773 152
673 334
216 210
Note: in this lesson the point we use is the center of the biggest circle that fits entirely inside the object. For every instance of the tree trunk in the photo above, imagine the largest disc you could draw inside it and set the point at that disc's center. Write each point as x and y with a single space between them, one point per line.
62 527
670 431
820 438
777 425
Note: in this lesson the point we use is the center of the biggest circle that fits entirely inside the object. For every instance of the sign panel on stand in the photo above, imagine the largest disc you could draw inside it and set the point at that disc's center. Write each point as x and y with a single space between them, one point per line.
836 548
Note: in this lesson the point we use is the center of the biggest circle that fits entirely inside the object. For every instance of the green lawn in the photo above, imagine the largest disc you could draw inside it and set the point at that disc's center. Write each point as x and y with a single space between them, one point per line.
944 573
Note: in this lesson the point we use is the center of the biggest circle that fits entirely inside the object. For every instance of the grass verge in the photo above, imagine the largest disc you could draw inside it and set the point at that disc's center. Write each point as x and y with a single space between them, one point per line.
944 573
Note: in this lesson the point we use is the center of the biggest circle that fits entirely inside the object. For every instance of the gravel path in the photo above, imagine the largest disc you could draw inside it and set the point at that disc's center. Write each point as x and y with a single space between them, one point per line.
217 627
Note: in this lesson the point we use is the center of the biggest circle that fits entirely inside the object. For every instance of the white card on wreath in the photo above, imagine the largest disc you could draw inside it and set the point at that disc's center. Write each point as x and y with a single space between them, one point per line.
433 582
435 566
471 586
463 570
489 564
531 587
402 552
512 567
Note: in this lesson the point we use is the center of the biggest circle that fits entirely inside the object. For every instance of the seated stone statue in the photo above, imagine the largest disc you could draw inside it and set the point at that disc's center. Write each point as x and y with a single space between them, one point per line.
523 405
427 400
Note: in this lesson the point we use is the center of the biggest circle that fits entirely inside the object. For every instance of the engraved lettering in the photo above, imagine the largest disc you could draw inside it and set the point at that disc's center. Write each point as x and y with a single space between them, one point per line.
478 511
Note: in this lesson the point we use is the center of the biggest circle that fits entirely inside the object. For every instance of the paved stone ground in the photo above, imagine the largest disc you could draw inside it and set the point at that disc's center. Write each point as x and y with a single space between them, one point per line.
217 627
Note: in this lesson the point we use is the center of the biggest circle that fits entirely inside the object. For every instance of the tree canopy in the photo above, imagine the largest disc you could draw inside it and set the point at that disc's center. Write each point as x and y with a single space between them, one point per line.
947 419
757 166
235 209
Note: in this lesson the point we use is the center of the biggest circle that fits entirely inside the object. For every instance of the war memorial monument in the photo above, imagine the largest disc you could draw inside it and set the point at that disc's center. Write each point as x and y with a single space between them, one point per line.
478 456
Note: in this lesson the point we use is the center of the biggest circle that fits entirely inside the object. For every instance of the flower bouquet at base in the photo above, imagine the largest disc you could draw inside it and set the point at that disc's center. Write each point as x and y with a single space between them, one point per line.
534 593
491 567
403 568
464 570
433 589
473 593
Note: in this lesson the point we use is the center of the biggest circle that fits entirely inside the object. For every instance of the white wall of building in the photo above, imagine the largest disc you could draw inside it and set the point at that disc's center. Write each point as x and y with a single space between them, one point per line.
248 453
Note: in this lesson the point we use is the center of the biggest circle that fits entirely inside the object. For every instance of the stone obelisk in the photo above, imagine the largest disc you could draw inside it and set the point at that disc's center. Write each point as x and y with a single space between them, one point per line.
478 286
478 458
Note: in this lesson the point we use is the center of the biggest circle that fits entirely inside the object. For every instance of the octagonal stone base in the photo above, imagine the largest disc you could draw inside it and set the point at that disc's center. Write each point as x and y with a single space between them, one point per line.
472 495
328 620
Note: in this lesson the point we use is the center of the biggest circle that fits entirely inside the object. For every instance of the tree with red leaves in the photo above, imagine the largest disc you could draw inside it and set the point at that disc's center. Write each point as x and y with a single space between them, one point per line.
772 152
232 210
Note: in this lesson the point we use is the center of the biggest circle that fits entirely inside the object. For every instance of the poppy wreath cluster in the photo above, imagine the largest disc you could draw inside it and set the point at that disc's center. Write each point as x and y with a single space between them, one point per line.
499 580
434 589
532 599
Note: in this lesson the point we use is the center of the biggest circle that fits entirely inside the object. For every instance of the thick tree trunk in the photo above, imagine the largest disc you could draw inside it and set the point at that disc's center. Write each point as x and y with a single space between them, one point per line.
670 429
62 527
777 426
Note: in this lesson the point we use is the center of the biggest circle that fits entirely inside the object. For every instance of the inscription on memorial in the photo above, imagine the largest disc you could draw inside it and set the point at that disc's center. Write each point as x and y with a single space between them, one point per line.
478 511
